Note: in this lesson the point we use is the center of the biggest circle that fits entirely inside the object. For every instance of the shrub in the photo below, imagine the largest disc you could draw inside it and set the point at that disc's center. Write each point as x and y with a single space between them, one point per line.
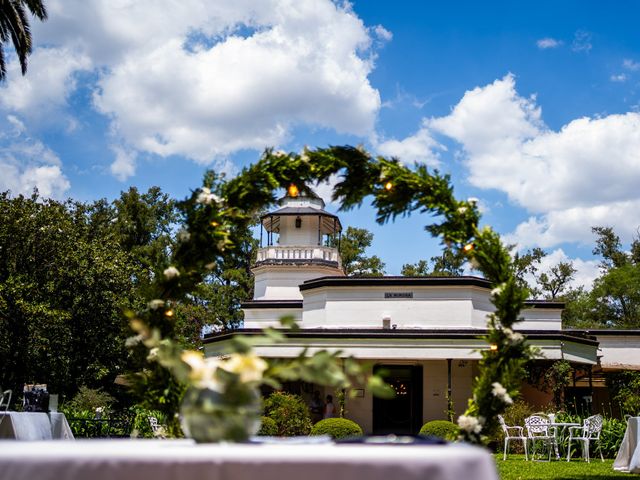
86 424
517 412
611 436
337 428
88 399
290 413
625 389
441 429
268 427
514 416
141 426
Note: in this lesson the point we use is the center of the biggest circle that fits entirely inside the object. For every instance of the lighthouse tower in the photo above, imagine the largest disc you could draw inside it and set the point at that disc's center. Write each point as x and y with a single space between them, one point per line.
297 247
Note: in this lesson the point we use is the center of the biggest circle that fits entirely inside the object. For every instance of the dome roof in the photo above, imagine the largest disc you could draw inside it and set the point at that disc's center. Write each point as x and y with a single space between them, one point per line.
303 205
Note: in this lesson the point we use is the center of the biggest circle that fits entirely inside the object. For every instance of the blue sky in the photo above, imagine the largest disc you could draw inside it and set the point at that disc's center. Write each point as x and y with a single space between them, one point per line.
531 106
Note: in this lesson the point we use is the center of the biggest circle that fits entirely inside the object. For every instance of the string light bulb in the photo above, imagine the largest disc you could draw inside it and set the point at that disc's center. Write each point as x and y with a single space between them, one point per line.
293 191
493 347
388 186
468 247
168 313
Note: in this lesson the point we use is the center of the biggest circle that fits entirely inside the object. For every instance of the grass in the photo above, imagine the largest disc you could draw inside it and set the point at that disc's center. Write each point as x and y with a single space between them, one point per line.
516 468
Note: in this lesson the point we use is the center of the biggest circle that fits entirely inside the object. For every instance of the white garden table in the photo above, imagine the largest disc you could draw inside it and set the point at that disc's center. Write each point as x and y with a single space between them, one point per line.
560 429
183 459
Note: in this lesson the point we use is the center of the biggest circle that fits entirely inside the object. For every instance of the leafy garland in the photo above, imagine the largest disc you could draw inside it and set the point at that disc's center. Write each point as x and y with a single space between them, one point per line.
214 212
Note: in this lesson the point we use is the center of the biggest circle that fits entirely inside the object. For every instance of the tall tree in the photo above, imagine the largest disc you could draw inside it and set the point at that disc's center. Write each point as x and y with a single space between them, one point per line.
61 297
617 291
144 223
582 310
418 269
526 266
353 246
67 271
449 264
609 247
556 281
14 25
215 303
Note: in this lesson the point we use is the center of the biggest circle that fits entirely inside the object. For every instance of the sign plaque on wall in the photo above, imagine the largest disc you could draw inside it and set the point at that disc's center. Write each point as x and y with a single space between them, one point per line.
398 294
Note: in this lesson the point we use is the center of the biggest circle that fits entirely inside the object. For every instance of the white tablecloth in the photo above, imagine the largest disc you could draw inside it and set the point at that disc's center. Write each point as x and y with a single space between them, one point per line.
182 459
34 426
628 458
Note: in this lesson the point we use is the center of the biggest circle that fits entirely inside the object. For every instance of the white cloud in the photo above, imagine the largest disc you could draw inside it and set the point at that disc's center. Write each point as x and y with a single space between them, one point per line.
574 224
548 42
631 65
420 147
622 77
47 87
124 166
206 79
566 176
584 174
490 121
582 41
382 33
26 163
325 189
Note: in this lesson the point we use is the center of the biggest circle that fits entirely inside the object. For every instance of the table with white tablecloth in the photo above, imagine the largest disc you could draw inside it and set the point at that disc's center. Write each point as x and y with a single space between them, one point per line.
128 459
34 426
628 458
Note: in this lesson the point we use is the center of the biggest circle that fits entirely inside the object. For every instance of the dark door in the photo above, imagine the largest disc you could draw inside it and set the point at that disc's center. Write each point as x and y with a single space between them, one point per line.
402 414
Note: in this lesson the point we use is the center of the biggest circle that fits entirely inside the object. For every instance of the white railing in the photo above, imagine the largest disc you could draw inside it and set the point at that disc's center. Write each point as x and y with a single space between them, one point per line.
291 252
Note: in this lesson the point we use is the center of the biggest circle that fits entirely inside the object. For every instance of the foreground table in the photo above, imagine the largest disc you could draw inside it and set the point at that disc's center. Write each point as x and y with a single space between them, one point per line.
183 459
628 458
34 426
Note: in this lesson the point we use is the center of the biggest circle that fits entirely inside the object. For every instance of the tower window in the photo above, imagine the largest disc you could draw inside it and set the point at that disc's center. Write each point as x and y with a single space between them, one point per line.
298 222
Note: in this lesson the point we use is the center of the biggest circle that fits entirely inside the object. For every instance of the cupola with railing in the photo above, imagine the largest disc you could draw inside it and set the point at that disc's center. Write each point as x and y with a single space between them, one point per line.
299 241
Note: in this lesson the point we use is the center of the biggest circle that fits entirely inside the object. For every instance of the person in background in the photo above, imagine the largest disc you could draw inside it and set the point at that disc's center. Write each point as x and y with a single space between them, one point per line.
329 408
316 407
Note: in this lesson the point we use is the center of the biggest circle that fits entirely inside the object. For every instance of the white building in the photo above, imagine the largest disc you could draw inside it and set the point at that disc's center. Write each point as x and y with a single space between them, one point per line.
422 330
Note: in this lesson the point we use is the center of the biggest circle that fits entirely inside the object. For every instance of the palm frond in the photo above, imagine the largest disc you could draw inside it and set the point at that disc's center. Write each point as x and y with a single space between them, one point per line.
14 24
37 8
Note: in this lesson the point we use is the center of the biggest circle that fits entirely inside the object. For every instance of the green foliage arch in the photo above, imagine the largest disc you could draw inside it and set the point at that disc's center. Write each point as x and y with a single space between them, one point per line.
213 213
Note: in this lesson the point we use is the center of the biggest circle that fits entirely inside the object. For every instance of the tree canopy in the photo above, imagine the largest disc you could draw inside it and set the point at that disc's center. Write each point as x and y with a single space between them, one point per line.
353 246
68 270
614 300
62 290
449 264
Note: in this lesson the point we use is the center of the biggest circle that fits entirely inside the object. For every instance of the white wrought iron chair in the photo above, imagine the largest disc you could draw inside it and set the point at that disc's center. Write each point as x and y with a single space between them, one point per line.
588 432
157 429
512 433
5 401
539 429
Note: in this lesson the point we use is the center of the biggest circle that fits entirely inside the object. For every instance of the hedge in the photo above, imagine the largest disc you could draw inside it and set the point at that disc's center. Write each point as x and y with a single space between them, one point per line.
441 429
337 428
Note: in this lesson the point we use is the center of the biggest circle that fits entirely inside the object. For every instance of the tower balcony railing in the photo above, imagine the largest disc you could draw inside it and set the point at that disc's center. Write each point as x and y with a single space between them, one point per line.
298 253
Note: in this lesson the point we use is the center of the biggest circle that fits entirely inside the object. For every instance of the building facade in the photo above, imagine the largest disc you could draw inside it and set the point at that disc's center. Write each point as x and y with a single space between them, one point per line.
423 332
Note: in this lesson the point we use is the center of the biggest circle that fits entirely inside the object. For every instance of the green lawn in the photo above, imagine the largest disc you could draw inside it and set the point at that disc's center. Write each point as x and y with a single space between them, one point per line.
516 468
